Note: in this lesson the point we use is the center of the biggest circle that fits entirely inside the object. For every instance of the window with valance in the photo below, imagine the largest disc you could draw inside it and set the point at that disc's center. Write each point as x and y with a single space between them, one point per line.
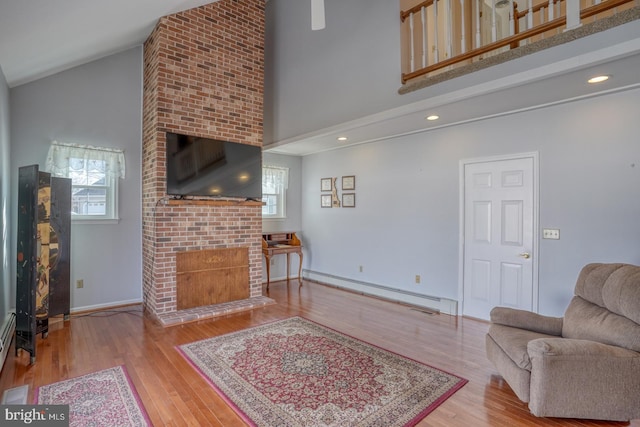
94 173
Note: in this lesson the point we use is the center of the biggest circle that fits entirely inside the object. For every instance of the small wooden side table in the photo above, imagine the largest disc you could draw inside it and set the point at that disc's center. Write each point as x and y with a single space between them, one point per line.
281 243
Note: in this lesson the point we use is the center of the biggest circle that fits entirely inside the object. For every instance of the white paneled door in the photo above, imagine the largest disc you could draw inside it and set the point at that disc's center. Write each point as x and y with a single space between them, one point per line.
498 236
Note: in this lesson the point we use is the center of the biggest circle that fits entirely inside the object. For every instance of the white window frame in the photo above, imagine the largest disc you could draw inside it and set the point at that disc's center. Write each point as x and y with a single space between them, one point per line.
280 191
111 202
59 165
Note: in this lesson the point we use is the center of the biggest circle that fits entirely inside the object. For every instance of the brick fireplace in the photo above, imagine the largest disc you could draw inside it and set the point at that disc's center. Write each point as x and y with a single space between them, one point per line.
203 76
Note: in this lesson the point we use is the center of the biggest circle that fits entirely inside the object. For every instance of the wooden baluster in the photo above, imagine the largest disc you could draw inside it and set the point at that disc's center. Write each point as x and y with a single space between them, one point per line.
515 24
448 32
412 64
494 31
478 12
463 28
530 15
512 27
425 29
436 55
551 15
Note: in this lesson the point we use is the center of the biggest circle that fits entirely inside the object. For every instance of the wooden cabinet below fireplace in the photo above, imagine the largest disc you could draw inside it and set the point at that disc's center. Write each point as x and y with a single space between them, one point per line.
211 276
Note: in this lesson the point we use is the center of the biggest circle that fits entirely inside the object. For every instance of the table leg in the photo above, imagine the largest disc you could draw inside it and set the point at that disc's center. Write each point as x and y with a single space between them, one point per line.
288 266
300 268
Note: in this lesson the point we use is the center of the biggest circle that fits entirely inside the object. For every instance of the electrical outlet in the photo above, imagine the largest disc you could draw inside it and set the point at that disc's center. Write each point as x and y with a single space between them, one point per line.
551 233
417 278
80 283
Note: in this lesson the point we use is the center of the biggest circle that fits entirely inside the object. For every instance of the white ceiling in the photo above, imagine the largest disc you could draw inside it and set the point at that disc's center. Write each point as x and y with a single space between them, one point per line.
42 37
527 90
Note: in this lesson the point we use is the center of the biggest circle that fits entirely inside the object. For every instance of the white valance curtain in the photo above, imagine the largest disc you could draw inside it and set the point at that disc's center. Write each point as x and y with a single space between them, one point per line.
59 154
274 179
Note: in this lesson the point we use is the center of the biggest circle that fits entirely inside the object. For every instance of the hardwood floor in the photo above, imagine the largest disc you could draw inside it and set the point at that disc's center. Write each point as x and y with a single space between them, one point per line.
175 395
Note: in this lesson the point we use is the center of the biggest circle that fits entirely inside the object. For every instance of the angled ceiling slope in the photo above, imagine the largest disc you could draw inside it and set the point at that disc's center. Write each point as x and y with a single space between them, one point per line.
39 38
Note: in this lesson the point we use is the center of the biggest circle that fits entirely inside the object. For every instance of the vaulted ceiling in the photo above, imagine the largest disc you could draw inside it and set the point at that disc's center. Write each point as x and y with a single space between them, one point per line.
42 37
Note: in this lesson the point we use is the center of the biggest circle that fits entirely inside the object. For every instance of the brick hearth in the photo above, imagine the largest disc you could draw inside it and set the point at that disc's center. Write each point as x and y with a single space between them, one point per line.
203 76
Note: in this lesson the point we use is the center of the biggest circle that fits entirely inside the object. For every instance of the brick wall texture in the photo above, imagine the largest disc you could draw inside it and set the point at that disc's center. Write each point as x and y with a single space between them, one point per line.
203 76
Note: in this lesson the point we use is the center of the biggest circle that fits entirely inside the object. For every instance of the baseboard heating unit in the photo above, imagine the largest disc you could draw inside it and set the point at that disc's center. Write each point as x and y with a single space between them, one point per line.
17 395
439 305
6 336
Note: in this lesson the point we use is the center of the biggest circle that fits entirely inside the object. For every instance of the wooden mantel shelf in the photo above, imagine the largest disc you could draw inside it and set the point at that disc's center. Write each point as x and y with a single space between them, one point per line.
214 202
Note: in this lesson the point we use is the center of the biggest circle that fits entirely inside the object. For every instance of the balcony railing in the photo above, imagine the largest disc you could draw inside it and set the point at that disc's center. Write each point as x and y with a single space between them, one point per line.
439 35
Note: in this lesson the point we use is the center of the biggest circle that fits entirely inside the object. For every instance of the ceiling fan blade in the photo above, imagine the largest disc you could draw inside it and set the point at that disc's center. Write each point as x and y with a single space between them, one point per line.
317 14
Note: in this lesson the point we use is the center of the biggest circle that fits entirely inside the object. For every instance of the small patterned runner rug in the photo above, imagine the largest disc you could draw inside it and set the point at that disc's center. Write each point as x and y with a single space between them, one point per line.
103 398
295 372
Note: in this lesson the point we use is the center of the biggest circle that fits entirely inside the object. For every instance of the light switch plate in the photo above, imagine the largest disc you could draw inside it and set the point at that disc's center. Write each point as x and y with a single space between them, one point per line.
551 233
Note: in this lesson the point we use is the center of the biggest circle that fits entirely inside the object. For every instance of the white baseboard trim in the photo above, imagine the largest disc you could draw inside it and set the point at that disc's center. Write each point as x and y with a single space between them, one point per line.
112 304
441 305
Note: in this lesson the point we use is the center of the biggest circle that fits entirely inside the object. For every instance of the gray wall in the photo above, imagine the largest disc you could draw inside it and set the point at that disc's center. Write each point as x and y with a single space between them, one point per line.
406 220
293 221
5 215
314 79
99 103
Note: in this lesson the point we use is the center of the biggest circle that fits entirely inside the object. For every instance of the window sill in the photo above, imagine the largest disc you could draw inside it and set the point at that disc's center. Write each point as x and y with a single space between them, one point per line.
94 221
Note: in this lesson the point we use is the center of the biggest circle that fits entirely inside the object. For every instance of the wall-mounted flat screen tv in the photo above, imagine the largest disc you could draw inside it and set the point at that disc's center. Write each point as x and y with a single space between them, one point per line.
209 167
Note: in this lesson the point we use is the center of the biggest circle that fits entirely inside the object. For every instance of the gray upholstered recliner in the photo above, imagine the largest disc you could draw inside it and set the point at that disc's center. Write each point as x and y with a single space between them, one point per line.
583 365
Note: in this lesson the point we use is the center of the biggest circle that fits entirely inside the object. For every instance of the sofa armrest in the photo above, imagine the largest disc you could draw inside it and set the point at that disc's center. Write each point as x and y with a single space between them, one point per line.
583 379
565 347
527 320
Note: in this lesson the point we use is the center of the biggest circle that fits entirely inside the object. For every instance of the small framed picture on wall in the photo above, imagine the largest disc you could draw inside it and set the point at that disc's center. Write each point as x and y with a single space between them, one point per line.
349 182
325 184
348 200
325 200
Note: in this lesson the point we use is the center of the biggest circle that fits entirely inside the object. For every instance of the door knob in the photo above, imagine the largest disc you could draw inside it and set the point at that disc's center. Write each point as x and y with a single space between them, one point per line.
525 255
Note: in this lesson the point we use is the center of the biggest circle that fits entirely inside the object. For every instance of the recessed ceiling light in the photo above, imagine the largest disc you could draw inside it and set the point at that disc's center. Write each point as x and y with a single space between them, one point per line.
598 79
433 117
342 138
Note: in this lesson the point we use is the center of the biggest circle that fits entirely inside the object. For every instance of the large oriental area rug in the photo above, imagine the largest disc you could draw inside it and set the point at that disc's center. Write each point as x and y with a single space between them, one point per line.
295 372
103 398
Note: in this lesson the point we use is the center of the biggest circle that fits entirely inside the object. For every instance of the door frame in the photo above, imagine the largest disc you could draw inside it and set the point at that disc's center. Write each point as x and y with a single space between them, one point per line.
536 205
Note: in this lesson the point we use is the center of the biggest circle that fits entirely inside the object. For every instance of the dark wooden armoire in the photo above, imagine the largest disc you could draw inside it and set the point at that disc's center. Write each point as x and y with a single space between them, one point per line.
43 285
